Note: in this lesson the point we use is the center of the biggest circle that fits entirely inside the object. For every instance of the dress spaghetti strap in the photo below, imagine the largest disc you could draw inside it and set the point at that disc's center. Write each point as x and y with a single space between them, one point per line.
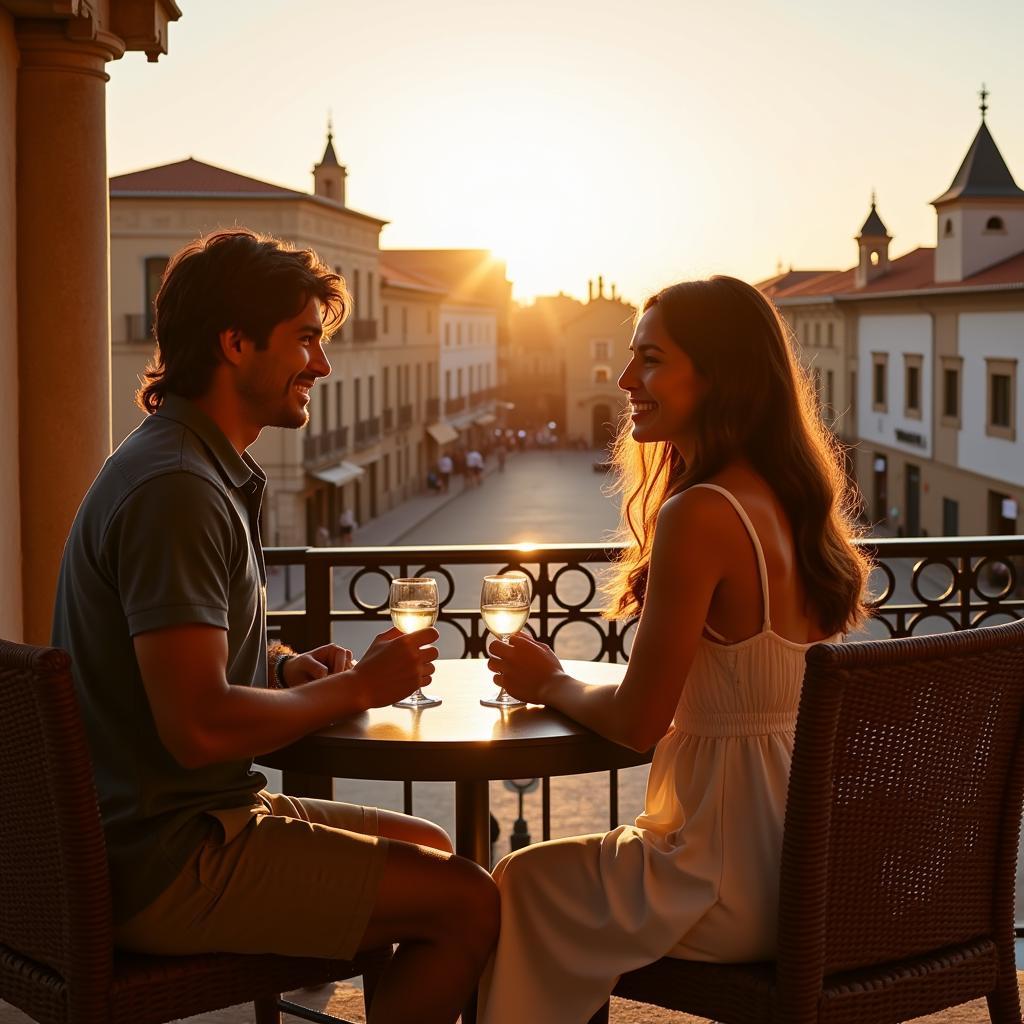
762 566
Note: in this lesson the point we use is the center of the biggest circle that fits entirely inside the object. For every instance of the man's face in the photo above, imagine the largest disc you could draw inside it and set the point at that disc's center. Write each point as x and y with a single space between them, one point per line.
275 382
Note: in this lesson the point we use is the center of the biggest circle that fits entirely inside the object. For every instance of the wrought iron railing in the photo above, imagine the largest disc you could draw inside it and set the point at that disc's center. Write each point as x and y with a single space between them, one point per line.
920 585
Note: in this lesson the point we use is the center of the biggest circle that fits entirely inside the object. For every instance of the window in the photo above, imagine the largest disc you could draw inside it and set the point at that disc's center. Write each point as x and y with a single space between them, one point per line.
458 334
373 396
995 225
154 273
405 323
419 388
817 333
879 370
447 334
430 321
447 384
831 340
458 382
853 394
602 375
947 231
387 386
912 386
950 392
369 292
356 297
385 315
830 390
602 351
950 518
1002 381
323 420
337 404
357 392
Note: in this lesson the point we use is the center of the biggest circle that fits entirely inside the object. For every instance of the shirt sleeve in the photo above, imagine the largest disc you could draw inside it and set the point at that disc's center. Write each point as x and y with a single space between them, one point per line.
171 546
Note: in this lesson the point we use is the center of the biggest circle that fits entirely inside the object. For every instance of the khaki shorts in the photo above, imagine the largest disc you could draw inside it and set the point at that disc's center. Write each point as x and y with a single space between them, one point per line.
300 879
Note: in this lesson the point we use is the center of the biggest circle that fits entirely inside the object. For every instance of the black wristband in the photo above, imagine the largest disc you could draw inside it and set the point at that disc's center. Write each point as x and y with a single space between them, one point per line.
279 670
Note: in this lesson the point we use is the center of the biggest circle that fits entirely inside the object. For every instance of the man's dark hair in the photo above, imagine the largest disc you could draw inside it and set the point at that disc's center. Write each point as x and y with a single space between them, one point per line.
230 280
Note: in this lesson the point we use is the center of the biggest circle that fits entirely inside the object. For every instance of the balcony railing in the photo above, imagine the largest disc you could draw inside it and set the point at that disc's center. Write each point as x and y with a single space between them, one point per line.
364 330
388 417
330 443
367 431
433 408
404 416
452 405
920 585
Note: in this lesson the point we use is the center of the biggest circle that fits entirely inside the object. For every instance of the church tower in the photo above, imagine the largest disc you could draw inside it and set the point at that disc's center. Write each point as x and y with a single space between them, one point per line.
873 244
980 217
328 175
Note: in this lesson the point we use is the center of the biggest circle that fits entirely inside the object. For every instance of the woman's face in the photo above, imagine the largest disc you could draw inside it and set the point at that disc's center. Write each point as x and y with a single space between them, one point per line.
665 389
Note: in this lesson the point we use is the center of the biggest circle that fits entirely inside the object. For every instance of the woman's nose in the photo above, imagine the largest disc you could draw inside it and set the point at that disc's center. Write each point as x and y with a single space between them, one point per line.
627 379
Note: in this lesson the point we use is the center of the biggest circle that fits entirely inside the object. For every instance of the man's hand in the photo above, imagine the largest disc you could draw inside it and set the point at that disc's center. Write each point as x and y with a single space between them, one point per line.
394 665
324 661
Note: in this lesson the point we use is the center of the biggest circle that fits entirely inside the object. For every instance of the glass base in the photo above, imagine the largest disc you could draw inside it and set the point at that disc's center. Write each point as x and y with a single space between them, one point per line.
417 700
503 700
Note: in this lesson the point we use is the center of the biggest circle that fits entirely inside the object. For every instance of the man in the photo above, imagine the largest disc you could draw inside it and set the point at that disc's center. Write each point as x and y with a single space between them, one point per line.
444 468
161 603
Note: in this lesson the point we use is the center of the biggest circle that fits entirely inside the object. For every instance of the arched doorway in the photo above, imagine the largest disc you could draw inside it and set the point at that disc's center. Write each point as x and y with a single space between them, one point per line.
602 426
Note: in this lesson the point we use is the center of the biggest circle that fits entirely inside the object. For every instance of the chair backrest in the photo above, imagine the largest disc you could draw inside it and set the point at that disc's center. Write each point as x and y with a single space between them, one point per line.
904 804
55 905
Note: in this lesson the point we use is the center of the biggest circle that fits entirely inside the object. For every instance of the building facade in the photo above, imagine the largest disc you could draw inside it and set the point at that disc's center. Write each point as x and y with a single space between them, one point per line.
924 353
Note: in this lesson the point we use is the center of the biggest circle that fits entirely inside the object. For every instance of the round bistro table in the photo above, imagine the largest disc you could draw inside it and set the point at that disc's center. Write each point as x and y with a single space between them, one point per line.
460 741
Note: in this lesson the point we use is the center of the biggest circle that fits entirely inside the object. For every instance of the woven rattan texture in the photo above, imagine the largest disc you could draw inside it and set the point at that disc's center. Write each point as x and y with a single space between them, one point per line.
899 853
56 948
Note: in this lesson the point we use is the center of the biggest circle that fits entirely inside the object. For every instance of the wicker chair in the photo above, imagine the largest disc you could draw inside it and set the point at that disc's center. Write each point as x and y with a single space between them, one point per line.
57 961
902 823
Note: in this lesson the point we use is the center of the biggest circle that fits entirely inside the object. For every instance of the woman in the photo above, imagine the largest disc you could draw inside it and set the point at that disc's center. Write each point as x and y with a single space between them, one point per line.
742 521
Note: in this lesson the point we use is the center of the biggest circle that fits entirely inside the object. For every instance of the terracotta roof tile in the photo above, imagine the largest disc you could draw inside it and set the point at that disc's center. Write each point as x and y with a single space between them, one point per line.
194 176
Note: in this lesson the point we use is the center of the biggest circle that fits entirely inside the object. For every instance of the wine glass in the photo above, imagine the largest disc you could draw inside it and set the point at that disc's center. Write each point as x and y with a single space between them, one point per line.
413 605
505 607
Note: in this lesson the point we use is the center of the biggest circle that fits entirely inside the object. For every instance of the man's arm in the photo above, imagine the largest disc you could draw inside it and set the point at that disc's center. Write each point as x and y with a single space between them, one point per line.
202 719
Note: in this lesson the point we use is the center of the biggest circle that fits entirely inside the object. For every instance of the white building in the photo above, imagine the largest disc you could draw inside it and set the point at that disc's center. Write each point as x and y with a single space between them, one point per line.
925 349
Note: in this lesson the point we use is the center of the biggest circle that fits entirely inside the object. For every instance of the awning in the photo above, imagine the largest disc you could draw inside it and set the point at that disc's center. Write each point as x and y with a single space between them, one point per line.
486 420
442 433
339 474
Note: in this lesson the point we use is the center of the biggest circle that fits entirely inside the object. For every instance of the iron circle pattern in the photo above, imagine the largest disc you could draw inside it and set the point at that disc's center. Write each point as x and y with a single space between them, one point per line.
440 570
516 567
931 613
954 586
885 596
560 575
988 564
990 613
369 570
595 626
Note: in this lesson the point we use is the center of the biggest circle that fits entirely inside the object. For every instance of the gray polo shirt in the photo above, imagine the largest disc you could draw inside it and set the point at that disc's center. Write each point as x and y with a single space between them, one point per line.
168 534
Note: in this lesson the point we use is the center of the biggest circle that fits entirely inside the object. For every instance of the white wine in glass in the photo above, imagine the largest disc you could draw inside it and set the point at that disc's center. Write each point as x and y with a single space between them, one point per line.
505 607
413 605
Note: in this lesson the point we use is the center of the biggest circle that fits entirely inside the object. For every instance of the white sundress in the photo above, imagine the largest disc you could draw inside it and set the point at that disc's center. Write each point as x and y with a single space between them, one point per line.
695 877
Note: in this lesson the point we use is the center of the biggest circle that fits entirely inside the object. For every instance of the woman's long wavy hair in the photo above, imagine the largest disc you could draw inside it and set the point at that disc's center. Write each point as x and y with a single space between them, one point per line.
761 405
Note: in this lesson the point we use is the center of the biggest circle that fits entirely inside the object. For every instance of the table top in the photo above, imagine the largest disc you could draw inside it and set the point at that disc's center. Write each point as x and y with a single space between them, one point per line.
461 739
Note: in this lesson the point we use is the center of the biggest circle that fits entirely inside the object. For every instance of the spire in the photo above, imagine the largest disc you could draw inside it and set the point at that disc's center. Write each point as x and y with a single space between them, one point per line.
330 158
983 174
873 226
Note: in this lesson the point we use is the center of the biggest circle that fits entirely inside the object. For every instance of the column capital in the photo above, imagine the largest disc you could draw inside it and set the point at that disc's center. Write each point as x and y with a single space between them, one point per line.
101 30
48 45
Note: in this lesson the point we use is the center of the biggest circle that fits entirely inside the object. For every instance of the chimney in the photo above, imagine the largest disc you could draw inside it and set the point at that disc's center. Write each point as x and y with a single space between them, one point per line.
590 289
600 286
614 296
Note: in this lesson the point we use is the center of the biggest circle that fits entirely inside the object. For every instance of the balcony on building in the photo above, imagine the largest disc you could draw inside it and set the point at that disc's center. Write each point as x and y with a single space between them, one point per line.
364 330
317 448
404 416
454 405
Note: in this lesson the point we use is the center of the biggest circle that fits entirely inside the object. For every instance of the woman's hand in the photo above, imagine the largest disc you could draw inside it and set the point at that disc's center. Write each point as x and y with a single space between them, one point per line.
526 668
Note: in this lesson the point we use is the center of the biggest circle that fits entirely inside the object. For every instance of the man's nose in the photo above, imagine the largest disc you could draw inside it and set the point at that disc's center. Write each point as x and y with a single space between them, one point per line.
321 365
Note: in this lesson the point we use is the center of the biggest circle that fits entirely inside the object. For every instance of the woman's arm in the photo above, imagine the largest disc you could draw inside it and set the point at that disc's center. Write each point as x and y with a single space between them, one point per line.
686 566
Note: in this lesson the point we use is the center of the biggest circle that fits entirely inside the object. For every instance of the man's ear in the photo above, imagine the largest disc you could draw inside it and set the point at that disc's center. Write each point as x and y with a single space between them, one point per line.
231 345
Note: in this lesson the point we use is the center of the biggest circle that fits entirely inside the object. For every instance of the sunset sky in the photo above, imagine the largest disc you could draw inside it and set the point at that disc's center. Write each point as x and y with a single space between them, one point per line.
647 142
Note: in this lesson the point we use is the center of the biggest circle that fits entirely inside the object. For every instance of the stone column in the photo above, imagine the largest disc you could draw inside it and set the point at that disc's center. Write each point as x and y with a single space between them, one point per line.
63 294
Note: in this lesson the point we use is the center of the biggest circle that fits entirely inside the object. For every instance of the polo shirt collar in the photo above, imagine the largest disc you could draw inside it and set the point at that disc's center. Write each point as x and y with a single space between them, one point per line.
237 469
